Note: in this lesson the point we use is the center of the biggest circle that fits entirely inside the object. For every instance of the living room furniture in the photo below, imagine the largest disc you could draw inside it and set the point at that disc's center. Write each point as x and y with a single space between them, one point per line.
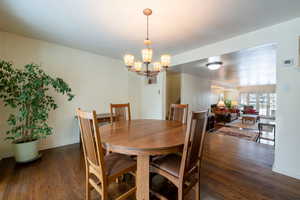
250 110
178 112
210 122
144 138
101 170
270 125
184 171
224 115
120 111
252 118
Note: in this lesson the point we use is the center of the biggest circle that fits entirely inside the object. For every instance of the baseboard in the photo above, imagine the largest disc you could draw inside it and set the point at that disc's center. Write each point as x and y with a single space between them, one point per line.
289 173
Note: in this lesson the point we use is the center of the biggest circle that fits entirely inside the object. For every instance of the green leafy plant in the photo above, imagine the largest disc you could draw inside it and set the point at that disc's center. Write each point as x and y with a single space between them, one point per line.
27 92
227 103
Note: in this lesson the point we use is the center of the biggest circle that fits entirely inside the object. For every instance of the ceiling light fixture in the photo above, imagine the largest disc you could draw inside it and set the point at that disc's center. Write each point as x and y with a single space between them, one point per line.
147 54
214 63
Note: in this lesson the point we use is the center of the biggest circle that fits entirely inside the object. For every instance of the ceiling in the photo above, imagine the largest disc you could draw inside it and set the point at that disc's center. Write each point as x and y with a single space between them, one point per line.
254 66
115 27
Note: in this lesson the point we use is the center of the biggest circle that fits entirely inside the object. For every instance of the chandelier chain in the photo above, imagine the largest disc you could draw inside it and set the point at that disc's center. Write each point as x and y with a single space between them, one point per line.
147 28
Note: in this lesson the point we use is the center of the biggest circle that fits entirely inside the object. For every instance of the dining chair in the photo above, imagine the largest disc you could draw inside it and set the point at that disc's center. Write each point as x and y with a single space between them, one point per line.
101 169
178 112
184 171
120 112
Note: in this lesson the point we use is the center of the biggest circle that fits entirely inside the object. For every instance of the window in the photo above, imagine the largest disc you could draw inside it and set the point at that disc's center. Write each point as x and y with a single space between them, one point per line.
272 104
252 101
244 98
264 103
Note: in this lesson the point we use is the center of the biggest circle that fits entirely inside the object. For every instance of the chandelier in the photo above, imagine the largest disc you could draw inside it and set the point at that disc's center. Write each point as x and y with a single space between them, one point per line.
149 69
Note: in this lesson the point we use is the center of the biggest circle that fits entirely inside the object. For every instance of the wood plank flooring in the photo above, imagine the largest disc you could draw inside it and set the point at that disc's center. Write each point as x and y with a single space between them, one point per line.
232 169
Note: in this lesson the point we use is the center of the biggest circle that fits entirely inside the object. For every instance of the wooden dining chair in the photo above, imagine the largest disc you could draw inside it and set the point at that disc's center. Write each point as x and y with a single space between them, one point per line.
178 112
120 112
101 169
184 171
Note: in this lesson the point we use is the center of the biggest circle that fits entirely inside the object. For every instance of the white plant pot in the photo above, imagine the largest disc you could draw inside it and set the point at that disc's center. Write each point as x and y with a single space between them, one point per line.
26 152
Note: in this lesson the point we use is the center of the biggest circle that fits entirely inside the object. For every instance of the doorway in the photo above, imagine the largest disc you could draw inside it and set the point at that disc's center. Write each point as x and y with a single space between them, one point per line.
173 89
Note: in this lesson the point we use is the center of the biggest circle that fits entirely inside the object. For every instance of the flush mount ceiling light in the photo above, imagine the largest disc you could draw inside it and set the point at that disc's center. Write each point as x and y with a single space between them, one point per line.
147 53
214 63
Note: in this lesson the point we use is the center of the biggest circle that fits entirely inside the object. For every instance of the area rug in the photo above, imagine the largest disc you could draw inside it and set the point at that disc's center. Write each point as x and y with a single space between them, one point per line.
238 123
245 134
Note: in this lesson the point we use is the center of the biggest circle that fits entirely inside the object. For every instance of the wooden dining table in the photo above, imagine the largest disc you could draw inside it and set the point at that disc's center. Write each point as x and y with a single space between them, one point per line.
143 138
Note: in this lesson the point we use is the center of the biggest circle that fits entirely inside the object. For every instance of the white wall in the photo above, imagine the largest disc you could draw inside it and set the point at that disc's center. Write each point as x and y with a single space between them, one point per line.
152 98
285 35
95 80
196 92
134 94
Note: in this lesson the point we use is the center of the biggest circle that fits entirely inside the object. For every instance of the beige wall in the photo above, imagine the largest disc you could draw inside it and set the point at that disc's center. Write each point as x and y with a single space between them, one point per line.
95 80
258 89
231 94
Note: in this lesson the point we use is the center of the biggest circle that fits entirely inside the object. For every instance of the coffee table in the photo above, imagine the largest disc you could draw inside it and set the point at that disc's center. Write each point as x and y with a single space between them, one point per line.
252 118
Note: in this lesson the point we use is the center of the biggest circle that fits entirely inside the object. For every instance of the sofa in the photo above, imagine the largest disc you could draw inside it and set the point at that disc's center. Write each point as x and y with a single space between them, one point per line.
225 115
249 110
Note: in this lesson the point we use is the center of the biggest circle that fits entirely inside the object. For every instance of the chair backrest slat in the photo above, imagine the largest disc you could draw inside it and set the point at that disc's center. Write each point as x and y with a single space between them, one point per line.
120 112
90 137
194 141
178 112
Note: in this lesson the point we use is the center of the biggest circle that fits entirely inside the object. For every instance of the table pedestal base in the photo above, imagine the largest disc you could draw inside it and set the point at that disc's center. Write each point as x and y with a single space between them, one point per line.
142 177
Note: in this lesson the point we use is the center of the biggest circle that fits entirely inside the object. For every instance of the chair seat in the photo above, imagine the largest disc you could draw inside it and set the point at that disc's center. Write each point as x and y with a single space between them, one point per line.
169 163
116 163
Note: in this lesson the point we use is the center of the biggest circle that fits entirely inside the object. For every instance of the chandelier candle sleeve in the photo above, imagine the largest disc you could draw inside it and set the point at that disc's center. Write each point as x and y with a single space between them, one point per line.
157 66
165 60
138 66
147 55
129 60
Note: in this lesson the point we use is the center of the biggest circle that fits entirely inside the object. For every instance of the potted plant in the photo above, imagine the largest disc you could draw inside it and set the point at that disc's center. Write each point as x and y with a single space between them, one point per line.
228 103
27 92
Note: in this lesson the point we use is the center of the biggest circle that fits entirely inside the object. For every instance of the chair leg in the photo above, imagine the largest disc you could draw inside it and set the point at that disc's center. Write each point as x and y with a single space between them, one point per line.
87 189
105 194
180 193
197 191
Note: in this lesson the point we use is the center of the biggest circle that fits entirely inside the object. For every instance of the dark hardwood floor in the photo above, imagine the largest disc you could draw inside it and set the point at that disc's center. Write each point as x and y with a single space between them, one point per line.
231 169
